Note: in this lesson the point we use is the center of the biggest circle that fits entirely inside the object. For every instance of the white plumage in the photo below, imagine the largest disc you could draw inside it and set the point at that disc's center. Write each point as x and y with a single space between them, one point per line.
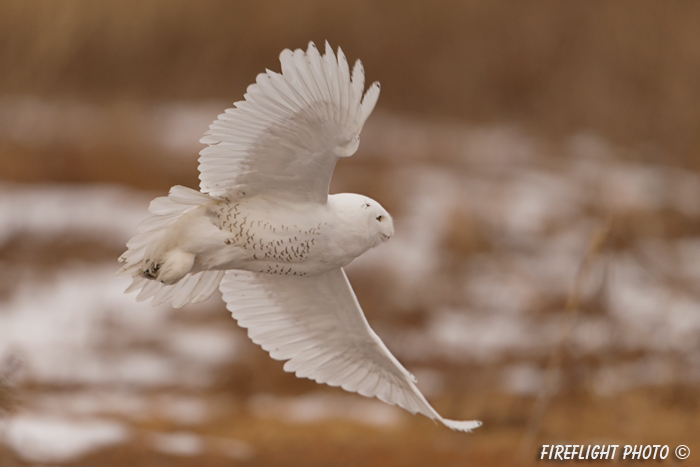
265 230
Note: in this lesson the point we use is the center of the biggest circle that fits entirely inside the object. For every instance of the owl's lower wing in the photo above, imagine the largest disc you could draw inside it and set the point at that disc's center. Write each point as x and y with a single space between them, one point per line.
317 325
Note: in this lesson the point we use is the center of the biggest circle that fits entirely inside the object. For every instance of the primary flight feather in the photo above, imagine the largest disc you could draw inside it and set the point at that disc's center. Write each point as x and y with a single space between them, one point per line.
266 232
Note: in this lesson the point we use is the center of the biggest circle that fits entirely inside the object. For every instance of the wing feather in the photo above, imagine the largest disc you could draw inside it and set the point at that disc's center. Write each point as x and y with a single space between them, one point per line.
285 138
344 85
330 70
316 324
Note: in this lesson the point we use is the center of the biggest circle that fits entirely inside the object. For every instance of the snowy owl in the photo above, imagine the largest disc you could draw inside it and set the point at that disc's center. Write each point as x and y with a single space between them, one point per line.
266 232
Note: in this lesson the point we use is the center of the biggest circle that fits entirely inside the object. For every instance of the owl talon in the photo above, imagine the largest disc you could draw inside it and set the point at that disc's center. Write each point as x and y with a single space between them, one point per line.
152 271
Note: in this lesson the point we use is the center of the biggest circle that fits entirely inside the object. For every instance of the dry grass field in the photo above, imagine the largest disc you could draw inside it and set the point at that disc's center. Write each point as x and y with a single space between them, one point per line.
541 160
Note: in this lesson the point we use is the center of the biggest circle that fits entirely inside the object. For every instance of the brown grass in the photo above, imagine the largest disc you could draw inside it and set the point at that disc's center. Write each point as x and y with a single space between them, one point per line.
626 69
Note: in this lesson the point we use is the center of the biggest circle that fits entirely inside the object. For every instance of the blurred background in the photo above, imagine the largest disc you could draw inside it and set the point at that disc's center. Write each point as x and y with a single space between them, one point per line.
541 161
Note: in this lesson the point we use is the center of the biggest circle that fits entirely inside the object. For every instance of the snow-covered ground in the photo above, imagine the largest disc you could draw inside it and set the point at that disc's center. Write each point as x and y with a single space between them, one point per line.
491 228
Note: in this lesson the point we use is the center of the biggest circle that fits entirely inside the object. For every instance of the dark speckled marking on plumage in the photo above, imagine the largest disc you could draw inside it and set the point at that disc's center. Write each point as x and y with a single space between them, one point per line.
285 251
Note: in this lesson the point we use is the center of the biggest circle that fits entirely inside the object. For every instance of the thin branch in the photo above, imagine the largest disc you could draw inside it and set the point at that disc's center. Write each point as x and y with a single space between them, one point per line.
555 357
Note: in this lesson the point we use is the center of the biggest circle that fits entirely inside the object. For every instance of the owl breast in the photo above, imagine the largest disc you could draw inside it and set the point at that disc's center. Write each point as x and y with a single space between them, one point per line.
271 242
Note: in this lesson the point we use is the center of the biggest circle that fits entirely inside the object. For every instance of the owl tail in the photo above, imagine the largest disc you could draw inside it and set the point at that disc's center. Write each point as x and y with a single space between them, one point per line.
161 273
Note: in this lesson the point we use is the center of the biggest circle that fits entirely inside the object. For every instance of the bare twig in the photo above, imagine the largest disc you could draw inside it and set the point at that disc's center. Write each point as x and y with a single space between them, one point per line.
555 357
8 370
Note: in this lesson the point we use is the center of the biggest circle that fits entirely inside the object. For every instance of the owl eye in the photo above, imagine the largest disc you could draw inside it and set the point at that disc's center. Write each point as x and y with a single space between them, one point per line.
379 218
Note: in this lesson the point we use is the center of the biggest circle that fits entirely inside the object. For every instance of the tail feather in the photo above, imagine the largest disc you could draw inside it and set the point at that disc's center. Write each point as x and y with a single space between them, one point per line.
140 261
193 288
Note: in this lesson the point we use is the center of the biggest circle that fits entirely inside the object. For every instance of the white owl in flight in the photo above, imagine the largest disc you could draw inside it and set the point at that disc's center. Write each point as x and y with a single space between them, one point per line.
266 232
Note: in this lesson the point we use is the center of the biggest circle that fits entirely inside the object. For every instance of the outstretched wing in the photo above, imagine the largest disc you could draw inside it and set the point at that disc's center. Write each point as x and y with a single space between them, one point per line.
317 325
285 138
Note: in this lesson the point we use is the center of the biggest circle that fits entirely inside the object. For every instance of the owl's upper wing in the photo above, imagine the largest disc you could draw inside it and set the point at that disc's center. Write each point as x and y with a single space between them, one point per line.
287 135
317 324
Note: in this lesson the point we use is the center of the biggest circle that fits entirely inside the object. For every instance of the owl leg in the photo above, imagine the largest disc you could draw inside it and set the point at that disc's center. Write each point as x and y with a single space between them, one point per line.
174 266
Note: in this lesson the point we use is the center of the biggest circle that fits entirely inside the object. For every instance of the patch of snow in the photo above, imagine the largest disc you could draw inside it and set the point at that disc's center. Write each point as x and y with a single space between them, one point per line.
204 343
650 315
613 379
82 328
185 410
181 443
483 337
523 379
38 438
190 444
92 402
104 212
